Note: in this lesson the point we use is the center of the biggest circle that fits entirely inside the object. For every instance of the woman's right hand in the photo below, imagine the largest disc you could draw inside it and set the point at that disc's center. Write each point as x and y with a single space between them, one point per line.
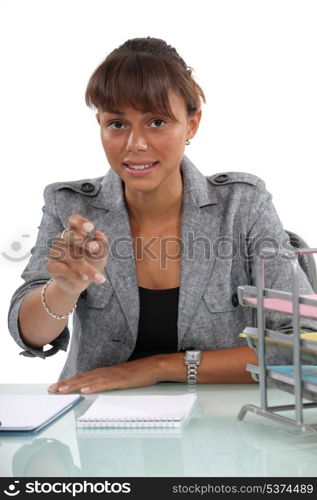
77 258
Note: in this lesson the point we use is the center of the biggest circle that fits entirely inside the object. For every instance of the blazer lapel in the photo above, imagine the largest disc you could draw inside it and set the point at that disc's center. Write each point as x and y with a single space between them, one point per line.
200 229
111 217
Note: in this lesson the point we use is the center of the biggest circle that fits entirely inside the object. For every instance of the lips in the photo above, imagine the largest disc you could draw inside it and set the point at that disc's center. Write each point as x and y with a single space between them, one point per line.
140 168
140 165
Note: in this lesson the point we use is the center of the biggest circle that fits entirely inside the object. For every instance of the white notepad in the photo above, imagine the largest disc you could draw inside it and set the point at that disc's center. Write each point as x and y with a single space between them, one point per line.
138 411
30 413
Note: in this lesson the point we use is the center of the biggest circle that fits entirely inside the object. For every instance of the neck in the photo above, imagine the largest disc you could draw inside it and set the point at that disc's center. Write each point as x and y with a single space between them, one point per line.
158 206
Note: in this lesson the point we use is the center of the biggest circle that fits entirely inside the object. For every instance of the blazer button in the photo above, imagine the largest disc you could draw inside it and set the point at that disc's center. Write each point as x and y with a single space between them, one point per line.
83 294
87 187
222 178
184 349
235 300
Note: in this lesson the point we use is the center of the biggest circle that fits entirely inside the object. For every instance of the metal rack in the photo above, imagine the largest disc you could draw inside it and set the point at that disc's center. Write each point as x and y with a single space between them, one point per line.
296 305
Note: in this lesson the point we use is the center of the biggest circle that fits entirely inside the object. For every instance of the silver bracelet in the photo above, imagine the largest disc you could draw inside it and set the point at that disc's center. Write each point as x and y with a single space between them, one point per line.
53 315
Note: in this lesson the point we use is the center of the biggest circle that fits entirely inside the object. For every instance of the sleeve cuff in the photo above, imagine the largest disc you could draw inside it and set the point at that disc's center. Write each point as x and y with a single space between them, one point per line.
60 343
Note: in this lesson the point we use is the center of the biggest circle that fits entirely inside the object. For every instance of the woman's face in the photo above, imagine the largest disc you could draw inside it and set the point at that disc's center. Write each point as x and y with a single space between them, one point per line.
146 149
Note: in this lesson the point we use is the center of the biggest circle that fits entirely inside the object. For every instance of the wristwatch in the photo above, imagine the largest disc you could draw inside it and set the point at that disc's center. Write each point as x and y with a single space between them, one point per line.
192 360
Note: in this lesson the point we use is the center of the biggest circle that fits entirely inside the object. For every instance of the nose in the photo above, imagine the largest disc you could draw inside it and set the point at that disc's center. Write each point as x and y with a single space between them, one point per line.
136 141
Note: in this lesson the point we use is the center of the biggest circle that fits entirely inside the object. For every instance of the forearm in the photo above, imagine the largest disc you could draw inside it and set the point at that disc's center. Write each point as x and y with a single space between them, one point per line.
217 367
223 366
37 327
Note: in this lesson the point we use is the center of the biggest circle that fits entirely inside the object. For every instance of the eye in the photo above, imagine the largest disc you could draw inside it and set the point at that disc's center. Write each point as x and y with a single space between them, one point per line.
116 125
157 123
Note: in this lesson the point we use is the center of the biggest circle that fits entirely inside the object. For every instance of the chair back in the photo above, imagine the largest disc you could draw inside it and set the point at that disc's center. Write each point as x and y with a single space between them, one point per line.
307 262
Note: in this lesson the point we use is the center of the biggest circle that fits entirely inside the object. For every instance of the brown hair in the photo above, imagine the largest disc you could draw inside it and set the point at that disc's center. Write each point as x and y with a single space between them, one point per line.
139 74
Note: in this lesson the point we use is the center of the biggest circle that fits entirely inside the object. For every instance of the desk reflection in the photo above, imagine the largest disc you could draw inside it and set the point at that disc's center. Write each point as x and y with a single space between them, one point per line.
213 444
217 447
44 457
124 456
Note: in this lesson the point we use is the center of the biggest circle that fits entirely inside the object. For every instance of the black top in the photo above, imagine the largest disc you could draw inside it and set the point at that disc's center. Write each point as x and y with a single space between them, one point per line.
157 333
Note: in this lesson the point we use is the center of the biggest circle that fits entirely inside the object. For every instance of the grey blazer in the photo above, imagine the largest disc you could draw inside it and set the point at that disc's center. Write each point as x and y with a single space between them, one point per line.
225 217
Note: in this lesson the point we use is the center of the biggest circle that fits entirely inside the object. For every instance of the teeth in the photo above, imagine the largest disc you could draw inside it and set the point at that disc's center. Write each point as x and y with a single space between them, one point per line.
140 167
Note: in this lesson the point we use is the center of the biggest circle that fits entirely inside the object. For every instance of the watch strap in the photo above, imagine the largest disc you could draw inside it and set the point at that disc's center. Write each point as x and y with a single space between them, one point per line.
191 374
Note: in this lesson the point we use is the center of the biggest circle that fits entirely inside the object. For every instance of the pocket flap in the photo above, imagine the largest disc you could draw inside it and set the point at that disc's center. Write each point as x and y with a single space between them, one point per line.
219 297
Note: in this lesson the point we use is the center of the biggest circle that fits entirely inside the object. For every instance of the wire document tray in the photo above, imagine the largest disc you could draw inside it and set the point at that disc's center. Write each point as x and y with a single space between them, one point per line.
300 378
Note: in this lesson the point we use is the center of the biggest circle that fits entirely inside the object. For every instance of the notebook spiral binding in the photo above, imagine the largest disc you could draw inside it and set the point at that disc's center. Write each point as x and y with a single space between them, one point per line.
128 422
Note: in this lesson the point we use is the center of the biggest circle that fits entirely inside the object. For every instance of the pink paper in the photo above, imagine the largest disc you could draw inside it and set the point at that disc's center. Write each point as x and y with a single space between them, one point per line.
285 306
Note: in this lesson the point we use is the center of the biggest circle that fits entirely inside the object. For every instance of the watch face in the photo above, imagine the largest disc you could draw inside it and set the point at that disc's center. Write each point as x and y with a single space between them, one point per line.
192 356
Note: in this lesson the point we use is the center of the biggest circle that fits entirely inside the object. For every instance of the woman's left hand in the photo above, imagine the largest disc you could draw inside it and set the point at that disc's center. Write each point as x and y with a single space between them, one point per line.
137 373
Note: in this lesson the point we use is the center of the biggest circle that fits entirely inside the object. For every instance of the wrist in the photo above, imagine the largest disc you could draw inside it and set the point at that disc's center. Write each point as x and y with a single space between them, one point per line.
192 360
55 290
171 367
58 303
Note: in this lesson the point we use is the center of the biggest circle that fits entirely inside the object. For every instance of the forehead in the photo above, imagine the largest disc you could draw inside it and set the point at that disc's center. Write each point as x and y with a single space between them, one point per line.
176 102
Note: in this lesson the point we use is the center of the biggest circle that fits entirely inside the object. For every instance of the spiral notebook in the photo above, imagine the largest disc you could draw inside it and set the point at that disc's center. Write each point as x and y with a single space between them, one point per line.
138 411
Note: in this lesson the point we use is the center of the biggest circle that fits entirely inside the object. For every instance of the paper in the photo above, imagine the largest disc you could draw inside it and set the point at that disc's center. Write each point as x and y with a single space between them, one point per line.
308 372
311 336
285 347
31 412
285 306
138 411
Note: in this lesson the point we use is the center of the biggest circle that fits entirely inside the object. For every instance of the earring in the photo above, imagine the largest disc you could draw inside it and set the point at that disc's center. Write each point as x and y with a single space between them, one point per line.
187 142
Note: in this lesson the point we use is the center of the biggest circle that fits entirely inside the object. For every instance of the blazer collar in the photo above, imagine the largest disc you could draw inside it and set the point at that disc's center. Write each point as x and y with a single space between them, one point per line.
196 189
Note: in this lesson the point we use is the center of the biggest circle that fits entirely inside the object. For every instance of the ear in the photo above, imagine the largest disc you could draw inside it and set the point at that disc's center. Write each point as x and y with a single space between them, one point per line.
193 123
98 117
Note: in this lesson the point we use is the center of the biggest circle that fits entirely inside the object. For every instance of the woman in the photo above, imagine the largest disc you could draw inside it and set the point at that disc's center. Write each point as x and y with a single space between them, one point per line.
143 251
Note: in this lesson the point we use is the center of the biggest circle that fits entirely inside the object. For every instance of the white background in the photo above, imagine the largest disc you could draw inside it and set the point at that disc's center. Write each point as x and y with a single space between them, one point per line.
256 61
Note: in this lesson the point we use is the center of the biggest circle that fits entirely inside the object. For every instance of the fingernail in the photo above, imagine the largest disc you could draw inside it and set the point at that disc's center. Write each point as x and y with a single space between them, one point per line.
85 389
93 246
88 226
52 387
84 277
63 388
100 278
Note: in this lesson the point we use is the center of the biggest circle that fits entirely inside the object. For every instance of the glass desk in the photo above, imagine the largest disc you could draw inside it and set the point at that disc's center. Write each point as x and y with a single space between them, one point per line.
214 442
